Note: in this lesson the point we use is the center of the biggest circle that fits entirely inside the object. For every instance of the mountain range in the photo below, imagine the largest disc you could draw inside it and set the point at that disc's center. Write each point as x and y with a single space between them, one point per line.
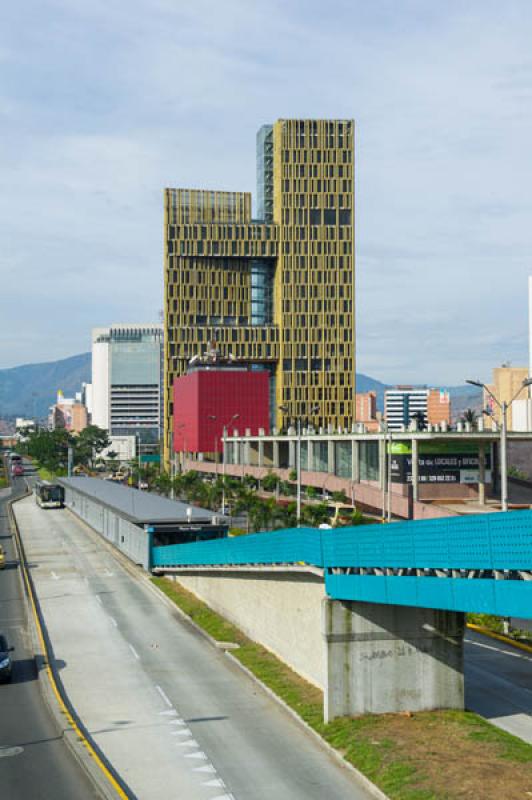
29 390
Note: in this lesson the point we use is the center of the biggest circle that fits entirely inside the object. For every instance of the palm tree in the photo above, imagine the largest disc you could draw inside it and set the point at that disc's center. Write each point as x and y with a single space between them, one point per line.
469 415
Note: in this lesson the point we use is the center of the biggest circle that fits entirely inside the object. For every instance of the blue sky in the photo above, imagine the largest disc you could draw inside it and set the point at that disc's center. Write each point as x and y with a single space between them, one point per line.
103 104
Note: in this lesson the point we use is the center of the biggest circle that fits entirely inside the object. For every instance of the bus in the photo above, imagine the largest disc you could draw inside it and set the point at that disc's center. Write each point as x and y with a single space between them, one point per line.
49 495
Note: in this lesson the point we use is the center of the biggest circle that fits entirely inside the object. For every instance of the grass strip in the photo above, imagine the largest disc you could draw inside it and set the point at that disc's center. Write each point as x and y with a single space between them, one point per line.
438 755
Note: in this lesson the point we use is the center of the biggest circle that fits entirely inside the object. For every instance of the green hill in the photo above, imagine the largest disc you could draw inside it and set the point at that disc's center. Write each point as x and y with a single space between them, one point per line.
29 390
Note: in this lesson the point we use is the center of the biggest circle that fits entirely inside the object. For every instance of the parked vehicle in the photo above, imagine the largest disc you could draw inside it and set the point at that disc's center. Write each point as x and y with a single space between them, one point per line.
5 659
17 470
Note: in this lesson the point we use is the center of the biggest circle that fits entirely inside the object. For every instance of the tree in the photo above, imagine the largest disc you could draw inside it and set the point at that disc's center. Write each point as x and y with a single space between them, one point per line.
89 443
312 492
469 415
339 497
270 482
315 515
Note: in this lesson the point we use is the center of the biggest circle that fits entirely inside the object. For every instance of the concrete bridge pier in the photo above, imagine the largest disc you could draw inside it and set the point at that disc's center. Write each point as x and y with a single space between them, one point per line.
385 658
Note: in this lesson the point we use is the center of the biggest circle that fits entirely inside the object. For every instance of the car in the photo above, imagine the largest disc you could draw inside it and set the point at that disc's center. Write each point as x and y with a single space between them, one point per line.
2 558
5 659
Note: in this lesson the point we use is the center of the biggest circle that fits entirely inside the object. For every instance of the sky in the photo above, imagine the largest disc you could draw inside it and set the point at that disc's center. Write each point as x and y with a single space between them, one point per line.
105 103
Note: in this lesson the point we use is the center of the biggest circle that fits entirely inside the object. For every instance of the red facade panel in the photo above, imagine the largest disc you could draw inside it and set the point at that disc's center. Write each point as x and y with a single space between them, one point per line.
206 400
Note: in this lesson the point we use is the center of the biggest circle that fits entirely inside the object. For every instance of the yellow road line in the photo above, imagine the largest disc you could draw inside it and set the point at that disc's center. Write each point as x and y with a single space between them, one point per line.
53 683
501 637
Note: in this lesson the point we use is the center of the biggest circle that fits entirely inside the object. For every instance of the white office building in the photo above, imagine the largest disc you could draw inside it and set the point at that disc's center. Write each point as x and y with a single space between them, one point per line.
126 393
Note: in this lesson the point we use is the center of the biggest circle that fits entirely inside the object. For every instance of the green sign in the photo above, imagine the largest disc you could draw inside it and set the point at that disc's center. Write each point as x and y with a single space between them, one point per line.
435 448
150 458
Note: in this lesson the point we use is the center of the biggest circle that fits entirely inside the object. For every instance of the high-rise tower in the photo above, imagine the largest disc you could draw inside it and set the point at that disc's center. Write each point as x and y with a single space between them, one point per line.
278 290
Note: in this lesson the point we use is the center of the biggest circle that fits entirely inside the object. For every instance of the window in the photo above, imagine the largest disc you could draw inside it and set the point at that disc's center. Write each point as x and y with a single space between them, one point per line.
329 216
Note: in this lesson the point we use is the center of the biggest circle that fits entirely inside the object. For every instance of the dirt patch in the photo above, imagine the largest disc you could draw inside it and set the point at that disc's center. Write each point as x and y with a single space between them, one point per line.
455 755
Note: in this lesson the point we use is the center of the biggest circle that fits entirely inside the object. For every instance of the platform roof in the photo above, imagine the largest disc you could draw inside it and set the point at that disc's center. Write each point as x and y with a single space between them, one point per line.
139 507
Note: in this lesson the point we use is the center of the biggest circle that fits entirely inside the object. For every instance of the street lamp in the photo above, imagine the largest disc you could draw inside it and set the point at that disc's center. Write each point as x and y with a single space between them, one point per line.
313 410
504 406
224 435
213 417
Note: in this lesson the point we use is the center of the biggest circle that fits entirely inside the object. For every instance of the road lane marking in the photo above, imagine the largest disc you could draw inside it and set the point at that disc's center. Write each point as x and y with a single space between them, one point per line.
6 752
205 768
113 620
198 754
134 652
177 722
499 650
170 713
188 743
98 598
186 732
55 577
214 782
164 696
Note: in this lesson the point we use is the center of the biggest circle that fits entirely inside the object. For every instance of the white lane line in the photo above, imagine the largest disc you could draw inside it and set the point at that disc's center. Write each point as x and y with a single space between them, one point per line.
499 650
55 577
185 732
205 768
134 652
113 620
198 754
224 797
180 722
98 598
188 743
164 696
214 782
170 713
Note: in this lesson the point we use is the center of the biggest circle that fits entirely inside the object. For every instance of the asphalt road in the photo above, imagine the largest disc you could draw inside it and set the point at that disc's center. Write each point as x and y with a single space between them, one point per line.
172 714
35 762
498 683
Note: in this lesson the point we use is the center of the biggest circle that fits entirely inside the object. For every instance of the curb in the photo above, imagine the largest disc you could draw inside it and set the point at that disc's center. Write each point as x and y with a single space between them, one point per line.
71 728
501 637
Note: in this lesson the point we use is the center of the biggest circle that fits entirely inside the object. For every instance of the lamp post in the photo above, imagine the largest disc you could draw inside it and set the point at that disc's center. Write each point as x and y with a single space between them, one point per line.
504 406
137 438
213 418
224 436
313 410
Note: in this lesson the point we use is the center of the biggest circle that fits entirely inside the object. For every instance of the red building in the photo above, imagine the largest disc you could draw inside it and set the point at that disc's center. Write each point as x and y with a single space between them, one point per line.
208 400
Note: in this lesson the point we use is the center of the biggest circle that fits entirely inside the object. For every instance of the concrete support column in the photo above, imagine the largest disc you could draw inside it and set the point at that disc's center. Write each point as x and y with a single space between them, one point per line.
261 453
275 448
247 453
330 457
292 447
482 473
310 455
386 658
355 461
415 470
382 463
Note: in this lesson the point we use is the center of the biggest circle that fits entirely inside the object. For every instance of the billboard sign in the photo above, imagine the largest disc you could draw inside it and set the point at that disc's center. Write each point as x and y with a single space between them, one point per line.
438 462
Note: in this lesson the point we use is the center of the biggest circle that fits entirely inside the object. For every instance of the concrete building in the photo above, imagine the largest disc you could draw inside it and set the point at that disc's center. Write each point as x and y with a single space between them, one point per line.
405 403
207 401
68 413
277 290
506 384
126 389
366 410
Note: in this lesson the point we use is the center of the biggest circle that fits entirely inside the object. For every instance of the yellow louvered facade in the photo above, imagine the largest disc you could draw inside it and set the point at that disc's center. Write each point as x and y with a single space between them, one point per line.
278 291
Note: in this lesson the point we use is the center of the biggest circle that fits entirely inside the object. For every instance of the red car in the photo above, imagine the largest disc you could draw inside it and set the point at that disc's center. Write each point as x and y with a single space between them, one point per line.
17 469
